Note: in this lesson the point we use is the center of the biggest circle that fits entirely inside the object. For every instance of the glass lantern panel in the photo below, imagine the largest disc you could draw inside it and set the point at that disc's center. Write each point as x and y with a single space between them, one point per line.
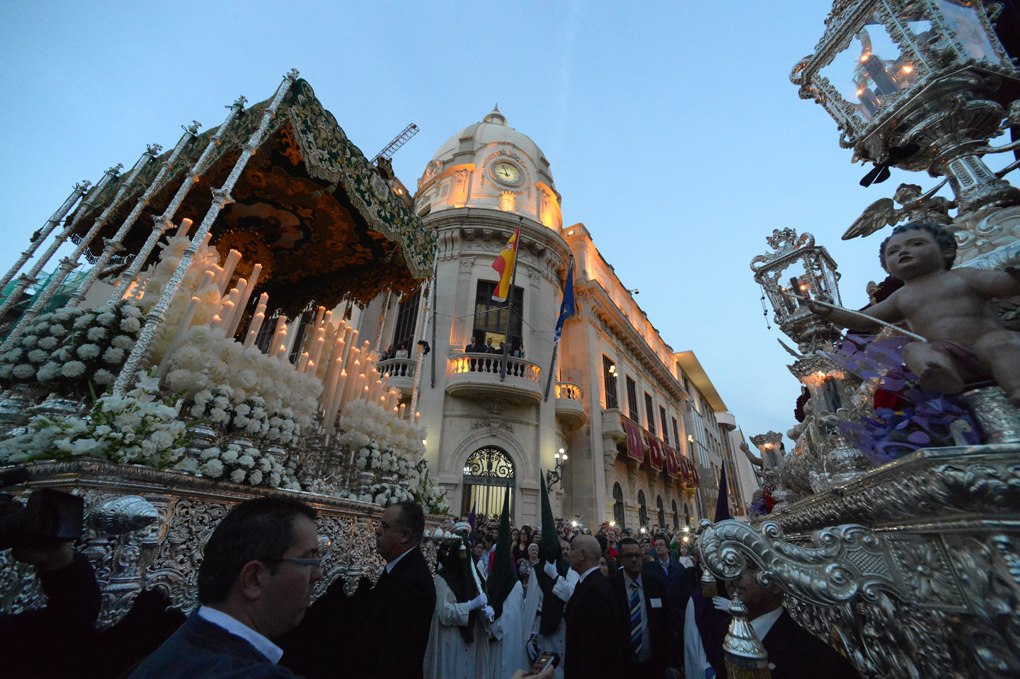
870 69
962 17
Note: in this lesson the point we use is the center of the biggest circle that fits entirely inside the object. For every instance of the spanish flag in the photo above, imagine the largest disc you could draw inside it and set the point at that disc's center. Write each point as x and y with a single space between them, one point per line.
504 266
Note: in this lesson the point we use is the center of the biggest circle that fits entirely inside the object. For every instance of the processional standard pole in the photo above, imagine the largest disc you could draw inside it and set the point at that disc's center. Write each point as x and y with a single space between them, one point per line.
221 198
68 263
42 234
29 278
164 221
114 244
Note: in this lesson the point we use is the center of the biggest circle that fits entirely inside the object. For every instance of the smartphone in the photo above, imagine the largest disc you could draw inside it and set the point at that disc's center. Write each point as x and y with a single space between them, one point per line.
544 661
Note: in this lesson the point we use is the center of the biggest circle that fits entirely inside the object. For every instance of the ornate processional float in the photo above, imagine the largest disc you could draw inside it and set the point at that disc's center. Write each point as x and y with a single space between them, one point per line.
893 525
204 358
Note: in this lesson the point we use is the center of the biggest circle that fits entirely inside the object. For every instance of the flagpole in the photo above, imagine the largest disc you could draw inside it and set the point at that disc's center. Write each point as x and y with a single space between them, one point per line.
568 293
510 302
552 366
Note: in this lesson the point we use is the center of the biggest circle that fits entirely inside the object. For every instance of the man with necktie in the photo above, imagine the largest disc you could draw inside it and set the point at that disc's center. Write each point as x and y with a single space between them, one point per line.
649 639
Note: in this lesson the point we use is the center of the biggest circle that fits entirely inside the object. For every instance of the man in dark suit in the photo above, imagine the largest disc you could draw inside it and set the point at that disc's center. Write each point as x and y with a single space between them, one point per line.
593 646
648 635
793 652
391 639
254 584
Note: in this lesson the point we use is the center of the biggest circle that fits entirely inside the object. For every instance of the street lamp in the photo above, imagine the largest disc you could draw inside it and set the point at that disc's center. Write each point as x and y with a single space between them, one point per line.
554 476
919 85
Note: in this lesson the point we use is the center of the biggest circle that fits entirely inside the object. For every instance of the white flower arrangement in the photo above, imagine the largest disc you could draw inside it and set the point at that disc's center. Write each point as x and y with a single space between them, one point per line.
363 422
137 428
64 350
428 493
386 494
241 464
207 360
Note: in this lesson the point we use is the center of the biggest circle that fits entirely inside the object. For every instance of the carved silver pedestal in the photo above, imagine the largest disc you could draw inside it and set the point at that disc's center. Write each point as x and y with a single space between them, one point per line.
146 529
910 570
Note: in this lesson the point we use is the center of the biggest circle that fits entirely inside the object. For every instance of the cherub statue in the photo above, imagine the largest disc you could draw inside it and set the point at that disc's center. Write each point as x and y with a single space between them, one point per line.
915 207
960 337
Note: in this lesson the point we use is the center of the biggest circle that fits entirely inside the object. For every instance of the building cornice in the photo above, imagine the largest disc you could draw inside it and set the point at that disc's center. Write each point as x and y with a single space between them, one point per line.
606 311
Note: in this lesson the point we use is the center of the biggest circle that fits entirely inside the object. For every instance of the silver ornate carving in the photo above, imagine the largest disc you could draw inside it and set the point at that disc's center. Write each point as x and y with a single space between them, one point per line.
999 420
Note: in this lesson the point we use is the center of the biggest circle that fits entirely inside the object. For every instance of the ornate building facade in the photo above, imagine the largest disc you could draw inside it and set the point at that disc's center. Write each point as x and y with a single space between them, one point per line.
625 426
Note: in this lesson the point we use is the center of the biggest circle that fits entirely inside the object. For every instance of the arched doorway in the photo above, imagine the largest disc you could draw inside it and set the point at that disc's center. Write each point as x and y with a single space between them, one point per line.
676 517
488 477
662 512
618 513
687 514
642 509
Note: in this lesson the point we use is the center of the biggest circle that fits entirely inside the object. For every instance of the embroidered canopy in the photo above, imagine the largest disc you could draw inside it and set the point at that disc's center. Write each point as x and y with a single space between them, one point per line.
321 219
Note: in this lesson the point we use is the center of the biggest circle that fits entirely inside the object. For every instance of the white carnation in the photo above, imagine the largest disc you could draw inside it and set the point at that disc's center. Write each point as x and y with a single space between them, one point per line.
48 343
113 355
237 476
130 324
96 333
255 477
102 377
87 352
213 468
23 371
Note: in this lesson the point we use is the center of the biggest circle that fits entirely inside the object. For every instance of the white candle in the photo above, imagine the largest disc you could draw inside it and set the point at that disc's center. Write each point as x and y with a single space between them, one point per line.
401 410
184 227
179 333
246 292
233 257
302 362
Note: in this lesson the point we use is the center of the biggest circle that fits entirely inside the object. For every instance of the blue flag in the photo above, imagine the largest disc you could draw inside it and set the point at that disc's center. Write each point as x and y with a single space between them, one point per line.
567 307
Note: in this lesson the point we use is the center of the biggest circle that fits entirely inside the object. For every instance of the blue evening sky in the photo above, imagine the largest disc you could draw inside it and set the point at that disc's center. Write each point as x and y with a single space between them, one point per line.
672 128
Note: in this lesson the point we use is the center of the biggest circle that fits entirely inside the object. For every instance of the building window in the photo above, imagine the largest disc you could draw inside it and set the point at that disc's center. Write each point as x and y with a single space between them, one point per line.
488 477
676 434
687 514
650 413
642 508
618 514
676 517
490 317
407 317
662 419
609 377
632 410
662 512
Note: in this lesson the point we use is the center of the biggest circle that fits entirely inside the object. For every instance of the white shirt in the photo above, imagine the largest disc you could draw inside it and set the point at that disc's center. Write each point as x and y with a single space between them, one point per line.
587 573
239 629
391 564
763 623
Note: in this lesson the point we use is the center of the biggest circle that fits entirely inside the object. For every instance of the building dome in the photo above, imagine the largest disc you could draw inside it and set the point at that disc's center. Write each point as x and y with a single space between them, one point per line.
489 164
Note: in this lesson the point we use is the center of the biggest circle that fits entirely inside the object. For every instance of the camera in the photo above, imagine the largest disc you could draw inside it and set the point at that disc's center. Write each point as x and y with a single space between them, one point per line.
48 516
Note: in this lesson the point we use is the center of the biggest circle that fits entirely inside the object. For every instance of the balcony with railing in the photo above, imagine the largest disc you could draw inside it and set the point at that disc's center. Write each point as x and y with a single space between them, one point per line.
570 405
612 425
478 375
401 373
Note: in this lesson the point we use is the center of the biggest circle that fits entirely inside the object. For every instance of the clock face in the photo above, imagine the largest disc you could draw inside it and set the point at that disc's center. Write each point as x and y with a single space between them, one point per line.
506 173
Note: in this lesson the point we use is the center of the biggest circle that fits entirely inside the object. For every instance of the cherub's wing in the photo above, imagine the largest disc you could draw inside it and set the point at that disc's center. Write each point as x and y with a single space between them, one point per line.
876 216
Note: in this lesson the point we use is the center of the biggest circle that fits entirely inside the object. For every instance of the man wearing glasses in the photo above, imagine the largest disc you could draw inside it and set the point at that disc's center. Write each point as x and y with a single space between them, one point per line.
254 584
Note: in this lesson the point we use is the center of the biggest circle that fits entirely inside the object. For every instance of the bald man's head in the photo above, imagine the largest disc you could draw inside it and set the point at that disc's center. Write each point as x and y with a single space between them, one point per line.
584 553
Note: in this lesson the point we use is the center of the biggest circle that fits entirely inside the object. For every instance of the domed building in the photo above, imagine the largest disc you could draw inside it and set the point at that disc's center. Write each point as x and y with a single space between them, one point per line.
495 427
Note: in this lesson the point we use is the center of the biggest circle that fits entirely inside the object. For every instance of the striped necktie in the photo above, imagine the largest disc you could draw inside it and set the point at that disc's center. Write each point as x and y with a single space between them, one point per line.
636 630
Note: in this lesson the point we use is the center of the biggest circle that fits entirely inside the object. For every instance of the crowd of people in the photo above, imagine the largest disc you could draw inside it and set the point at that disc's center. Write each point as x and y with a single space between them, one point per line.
610 604
487 347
